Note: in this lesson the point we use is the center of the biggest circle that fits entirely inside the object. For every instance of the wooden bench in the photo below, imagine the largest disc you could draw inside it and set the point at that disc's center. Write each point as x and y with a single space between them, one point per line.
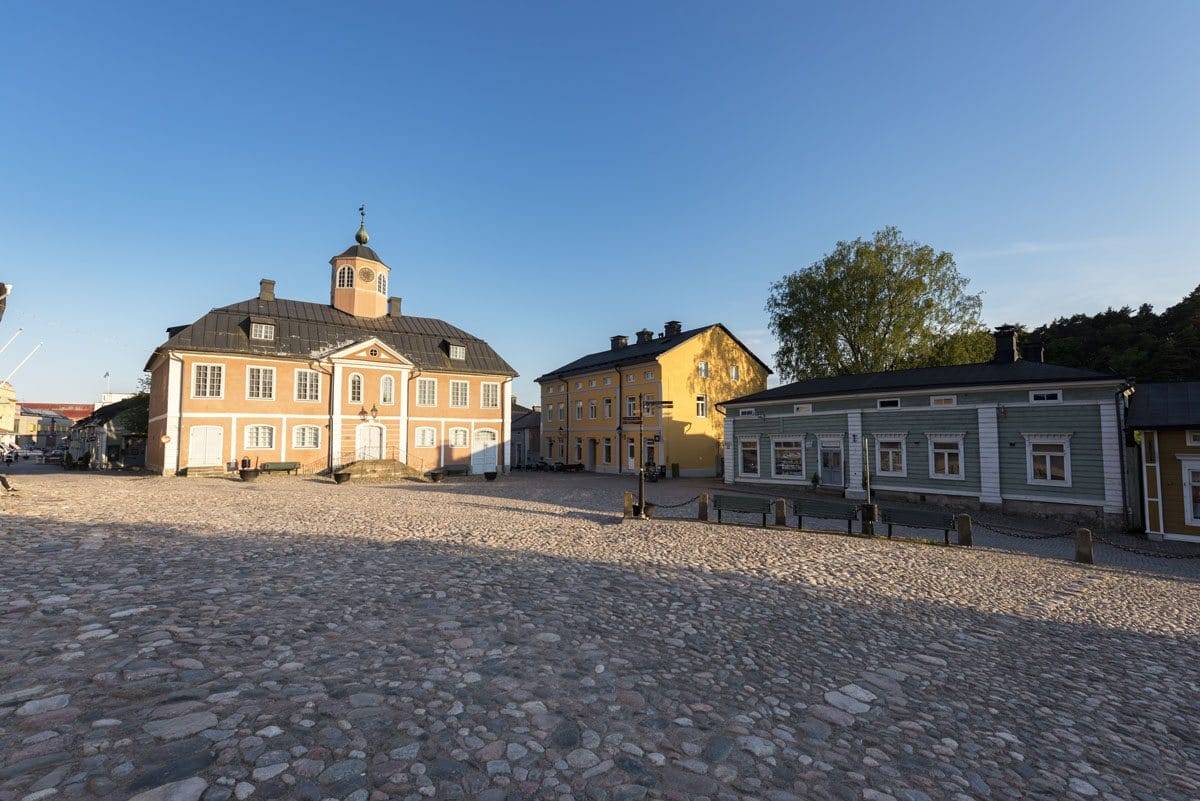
279 467
437 474
826 510
918 518
751 504
573 467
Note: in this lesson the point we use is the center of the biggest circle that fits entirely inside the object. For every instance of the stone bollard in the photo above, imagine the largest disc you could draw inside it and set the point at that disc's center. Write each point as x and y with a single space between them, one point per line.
780 512
1083 546
870 513
704 507
628 503
965 533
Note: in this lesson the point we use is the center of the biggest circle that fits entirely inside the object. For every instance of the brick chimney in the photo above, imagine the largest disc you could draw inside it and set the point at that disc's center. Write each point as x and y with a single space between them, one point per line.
266 289
645 335
1033 352
1006 345
393 307
672 328
618 342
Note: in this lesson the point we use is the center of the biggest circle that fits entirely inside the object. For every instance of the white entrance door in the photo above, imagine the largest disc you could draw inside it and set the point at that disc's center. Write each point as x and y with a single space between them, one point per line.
205 446
831 464
368 441
485 451
630 457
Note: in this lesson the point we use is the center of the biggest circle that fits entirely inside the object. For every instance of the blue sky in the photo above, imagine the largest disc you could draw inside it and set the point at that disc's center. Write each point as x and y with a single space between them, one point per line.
548 175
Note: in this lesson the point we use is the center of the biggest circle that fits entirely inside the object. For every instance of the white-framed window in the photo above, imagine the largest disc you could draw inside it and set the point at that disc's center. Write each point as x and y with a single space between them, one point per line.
387 390
1191 493
1192 438
887 403
591 382
264 331
345 276
748 456
608 408
562 411
787 457
946 456
648 406
1045 396
648 375
259 437
591 410
208 381
943 400
745 412
702 406
1048 459
578 410
426 436
308 385
356 388
607 381
891 454
458 352
631 450
549 412
489 395
260 383
459 438
702 369
306 437
629 378
630 406
608 450
381 283
562 387
578 385
426 392
460 394
735 372
802 408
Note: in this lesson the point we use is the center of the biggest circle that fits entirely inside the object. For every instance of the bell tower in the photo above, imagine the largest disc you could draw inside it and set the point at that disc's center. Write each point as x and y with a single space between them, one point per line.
359 278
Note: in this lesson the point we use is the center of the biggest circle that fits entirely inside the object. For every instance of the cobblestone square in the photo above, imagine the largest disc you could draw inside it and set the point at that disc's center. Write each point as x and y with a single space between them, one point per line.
183 639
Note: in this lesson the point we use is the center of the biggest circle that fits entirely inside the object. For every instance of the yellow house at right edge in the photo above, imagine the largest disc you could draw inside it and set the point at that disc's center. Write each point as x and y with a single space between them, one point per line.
650 402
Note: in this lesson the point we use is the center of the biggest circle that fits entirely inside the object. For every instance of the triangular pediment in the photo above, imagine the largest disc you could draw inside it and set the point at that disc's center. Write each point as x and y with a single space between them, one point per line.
372 351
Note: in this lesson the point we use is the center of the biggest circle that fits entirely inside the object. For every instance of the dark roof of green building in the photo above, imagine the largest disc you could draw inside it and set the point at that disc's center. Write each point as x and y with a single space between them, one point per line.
1174 405
312 330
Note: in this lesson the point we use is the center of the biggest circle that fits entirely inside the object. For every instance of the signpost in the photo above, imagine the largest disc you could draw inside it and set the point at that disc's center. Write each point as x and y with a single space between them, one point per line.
637 421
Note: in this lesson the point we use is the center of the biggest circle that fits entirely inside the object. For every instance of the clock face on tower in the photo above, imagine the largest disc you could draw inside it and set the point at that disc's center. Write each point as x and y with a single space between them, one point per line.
366 275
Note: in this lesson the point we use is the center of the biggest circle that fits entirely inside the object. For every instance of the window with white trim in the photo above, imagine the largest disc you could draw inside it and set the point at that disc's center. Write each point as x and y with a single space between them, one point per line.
608 450
460 394
1048 459
745 412
735 372
802 408
458 352
345 276
207 380
887 403
549 412
458 438
425 436
648 375
630 406
591 410
1192 438
427 392
943 400
260 437
562 411
1191 493
1045 396
890 453
748 456
489 395
630 378
607 381
381 283
946 456
263 331
308 385
608 408
306 437
356 388
648 406
787 458
260 383
578 450
578 385
702 369
578 410
387 390
702 406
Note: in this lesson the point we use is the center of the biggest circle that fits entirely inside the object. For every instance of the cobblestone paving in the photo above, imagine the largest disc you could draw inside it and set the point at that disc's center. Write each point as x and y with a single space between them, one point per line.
175 640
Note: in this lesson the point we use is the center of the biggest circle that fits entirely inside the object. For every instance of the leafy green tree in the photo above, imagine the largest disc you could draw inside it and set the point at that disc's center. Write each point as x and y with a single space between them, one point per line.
875 305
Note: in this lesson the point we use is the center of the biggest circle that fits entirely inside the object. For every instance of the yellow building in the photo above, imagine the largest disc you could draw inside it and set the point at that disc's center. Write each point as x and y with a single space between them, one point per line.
653 401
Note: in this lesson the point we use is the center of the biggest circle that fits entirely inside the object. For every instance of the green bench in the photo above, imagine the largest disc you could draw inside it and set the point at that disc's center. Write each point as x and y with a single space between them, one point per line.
279 467
918 518
438 473
826 510
751 504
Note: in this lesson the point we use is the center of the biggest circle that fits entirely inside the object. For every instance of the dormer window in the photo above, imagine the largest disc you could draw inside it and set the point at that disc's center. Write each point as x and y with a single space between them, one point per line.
345 276
381 285
264 332
458 352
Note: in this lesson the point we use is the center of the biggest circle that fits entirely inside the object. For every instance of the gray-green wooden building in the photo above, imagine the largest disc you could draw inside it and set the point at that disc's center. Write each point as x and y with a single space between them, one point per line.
1013 433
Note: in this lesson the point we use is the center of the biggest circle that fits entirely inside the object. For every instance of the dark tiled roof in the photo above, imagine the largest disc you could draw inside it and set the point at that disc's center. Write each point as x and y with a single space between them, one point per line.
362 252
527 420
638 353
310 330
1175 405
958 375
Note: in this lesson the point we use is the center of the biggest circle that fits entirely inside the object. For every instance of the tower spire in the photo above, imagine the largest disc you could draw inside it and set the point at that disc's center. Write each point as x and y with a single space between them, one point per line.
361 237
